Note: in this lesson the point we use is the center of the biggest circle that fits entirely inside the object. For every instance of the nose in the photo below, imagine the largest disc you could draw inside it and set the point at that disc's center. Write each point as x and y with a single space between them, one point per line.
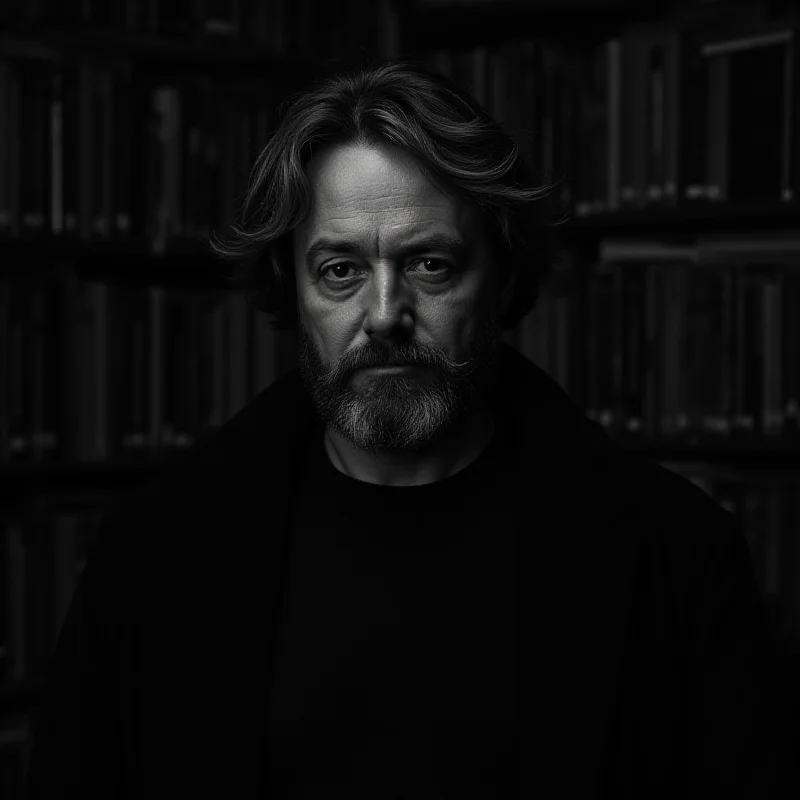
389 313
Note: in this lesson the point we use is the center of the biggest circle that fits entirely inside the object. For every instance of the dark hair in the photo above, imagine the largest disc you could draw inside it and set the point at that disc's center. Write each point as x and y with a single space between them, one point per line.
458 147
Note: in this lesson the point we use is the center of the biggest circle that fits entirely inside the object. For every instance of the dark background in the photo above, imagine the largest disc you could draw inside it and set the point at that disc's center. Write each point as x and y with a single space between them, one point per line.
127 131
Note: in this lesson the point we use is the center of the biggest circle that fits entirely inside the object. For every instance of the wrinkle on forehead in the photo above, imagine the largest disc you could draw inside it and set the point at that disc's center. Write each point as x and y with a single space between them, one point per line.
378 195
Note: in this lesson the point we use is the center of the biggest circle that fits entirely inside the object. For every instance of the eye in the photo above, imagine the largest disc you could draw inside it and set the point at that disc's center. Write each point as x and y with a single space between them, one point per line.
440 267
339 265
443 265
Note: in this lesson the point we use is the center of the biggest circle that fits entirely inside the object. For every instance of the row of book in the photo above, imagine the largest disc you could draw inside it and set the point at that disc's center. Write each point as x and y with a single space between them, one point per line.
650 117
274 26
691 342
88 153
655 340
658 116
92 370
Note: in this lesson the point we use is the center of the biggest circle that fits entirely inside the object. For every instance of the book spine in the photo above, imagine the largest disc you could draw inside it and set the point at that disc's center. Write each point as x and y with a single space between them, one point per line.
121 156
56 129
13 129
617 364
729 348
772 405
120 372
175 159
87 154
137 431
792 116
196 361
73 366
36 356
176 370
790 86
656 66
530 79
602 342
640 89
72 151
703 355
34 150
672 116
5 209
614 121
718 126
5 369
19 369
51 445
597 113
630 111
191 178
157 158
548 118
694 123
750 355
156 349
97 356
167 225
791 352
653 355
633 278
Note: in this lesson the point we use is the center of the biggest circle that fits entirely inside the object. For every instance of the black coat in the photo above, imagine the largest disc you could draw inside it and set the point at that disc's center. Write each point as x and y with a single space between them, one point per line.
649 661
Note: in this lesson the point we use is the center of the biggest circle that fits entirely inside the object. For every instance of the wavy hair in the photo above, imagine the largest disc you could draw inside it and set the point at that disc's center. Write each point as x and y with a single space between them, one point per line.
455 143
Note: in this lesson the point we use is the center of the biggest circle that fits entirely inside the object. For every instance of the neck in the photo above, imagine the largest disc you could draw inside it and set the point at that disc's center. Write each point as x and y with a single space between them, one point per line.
459 448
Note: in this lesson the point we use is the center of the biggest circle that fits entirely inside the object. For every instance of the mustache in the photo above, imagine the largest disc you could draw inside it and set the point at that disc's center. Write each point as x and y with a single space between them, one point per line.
369 359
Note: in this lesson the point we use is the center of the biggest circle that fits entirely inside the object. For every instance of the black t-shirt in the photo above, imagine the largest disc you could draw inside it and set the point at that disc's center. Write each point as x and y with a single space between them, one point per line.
396 660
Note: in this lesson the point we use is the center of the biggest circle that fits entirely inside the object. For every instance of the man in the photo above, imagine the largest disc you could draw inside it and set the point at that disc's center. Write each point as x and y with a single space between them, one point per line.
411 568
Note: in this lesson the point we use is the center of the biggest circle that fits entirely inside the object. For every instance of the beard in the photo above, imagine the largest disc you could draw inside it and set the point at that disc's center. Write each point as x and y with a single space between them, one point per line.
391 413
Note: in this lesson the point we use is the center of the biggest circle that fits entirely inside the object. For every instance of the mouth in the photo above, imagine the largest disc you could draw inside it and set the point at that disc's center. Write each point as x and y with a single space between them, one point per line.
392 368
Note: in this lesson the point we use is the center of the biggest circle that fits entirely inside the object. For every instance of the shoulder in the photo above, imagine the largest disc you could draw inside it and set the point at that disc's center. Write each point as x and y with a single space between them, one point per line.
678 523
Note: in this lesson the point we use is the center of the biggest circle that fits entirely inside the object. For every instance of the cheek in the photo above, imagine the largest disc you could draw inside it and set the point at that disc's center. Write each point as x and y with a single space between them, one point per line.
330 328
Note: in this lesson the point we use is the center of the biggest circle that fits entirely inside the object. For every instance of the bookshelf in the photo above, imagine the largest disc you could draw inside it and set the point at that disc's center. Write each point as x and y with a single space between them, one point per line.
129 129
673 321
118 254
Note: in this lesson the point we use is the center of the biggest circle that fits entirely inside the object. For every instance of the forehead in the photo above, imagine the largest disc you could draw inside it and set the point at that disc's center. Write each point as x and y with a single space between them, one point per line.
366 187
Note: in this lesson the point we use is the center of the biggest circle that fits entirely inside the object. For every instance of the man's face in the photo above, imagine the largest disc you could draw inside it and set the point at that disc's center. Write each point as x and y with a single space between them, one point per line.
389 271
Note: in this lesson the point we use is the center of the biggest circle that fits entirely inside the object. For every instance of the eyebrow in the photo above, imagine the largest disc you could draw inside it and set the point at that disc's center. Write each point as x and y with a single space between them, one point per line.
436 241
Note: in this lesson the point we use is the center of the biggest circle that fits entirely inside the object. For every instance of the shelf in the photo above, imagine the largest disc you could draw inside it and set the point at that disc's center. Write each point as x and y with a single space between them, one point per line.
185 262
169 54
686 220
